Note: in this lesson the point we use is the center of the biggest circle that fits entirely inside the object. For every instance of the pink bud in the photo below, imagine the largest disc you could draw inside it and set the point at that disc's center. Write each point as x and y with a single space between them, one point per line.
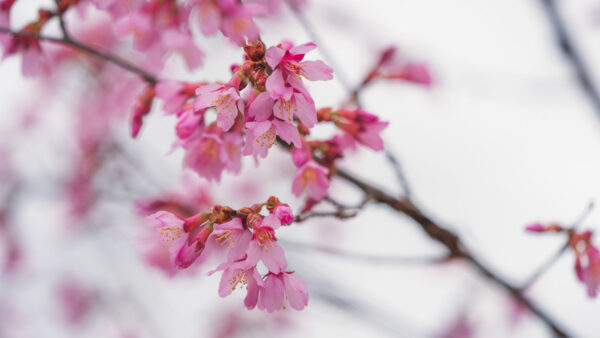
284 213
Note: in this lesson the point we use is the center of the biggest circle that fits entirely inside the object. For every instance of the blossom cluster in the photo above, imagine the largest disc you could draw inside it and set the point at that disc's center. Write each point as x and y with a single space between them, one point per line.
159 28
265 101
245 238
587 256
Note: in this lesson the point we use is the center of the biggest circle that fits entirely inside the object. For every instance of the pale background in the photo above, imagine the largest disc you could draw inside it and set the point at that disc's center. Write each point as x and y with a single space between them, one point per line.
505 137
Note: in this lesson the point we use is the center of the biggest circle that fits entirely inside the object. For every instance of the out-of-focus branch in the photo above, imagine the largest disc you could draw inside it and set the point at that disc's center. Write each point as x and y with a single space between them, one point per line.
550 262
566 45
150 78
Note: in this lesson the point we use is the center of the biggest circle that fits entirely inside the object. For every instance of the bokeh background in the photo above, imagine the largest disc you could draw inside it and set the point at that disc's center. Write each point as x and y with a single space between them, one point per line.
505 137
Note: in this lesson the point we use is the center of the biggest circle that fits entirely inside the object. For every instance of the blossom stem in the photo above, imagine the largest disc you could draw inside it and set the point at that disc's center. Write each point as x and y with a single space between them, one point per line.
150 78
550 262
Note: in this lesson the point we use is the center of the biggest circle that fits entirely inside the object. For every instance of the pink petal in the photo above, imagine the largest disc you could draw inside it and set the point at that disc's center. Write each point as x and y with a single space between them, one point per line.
316 70
305 110
288 132
274 258
271 297
274 56
276 86
262 107
303 48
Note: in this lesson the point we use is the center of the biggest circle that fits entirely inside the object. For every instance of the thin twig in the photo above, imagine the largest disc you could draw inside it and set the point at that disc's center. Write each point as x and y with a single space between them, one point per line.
550 262
341 214
566 45
150 78
363 257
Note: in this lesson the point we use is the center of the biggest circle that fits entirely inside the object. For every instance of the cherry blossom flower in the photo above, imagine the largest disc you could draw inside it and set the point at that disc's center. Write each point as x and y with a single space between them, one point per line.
234 236
363 127
284 213
292 104
30 49
263 246
238 274
587 261
262 135
175 94
587 267
231 17
311 177
224 98
183 247
210 152
282 290
288 68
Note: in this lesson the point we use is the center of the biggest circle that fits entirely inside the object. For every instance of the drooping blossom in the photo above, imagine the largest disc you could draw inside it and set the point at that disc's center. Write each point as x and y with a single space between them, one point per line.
185 245
282 290
292 104
263 246
311 177
239 274
587 261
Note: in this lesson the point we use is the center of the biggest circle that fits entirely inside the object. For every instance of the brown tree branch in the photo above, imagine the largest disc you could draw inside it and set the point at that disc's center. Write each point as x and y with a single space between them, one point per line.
450 240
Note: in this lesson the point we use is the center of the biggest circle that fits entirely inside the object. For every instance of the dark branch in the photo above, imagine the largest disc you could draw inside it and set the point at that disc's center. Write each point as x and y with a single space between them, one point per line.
449 240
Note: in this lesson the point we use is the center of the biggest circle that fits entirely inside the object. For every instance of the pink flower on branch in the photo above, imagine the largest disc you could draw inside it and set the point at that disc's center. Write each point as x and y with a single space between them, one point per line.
587 261
224 98
283 290
311 177
185 239
233 18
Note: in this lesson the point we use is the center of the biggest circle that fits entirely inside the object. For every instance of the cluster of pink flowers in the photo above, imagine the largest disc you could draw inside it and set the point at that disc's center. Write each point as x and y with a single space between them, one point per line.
247 238
587 256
